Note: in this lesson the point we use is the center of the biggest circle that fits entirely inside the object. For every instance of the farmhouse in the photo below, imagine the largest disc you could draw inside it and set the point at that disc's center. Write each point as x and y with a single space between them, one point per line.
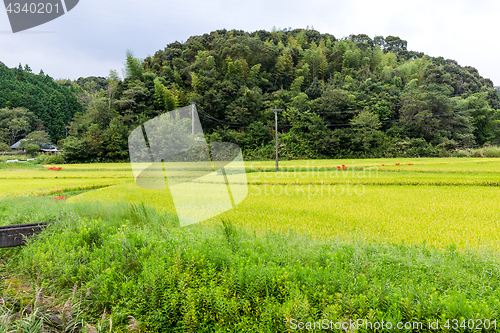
44 147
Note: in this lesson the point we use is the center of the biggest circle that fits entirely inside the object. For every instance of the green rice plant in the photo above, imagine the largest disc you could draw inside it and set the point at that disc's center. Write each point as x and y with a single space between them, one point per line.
305 164
432 200
440 215
416 238
10 188
97 166
375 176
160 200
38 173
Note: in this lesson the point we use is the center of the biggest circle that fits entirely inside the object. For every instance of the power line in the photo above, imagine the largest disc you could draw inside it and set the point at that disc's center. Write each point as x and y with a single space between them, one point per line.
232 125
213 119
328 112
207 116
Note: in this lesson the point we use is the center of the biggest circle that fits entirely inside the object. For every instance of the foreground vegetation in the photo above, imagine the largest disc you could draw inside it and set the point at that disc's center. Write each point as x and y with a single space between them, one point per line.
133 262
418 244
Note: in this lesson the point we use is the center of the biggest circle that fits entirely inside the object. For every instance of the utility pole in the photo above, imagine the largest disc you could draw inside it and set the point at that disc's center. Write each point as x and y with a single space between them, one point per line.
276 134
192 118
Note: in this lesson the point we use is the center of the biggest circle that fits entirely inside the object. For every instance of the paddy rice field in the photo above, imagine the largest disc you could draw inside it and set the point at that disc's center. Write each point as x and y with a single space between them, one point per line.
398 240
437 201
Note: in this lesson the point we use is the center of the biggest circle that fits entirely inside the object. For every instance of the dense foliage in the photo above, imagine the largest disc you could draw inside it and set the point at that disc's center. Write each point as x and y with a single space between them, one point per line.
31 102
134 264
351 97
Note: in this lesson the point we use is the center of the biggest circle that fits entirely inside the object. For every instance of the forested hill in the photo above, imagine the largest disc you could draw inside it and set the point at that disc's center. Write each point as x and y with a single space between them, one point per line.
355 96
37 99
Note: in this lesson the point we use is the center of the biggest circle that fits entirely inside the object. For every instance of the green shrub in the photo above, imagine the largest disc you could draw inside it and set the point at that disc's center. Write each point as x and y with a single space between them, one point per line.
217 279
32 149
51 159
4 146
487 151
476 153
461 153
491 151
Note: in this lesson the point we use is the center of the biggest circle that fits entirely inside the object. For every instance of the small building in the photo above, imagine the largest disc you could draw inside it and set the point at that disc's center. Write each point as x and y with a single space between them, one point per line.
17 144
44 147
50 151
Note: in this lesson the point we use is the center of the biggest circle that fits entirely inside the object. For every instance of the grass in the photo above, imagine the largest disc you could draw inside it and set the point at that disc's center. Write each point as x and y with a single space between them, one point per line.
489 151
416 241
4 158
212 279
27 323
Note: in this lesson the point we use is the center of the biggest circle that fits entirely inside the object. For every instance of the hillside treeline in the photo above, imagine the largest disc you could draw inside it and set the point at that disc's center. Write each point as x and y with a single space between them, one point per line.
33 102
350 97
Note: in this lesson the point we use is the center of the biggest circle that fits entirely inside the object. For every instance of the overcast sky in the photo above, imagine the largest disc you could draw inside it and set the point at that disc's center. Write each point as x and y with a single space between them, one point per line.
93 37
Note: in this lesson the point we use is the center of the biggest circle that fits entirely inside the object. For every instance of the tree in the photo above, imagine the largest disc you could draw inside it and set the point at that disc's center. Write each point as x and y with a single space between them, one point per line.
51 102
75 149
365 130
17 128
165 99
315 90
15 123
133 67
32 149
394 44
4 146
342 98
113 82
296 86
20 73
284 68
40 138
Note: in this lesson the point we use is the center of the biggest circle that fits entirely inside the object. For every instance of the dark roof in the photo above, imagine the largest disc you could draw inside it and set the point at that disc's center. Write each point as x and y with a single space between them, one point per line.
47 146
15 145
42 146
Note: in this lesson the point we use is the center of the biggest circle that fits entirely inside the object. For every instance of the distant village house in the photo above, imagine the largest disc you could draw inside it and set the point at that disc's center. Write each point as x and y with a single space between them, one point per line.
45 148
